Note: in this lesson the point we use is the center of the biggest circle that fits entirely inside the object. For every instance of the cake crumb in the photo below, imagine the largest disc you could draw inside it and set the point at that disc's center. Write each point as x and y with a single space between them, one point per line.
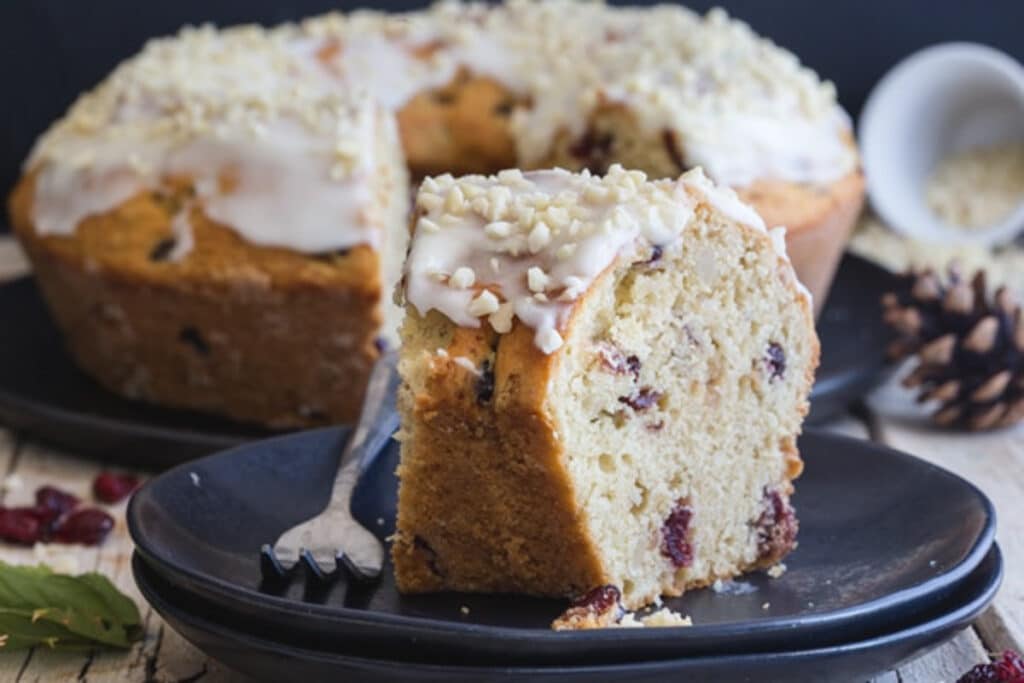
380 521
464 609
932 563
777 570
195 479
661 618
766 605
731 587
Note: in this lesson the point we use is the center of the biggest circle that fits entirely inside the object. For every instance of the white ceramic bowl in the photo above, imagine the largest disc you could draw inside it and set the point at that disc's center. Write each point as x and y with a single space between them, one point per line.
939 101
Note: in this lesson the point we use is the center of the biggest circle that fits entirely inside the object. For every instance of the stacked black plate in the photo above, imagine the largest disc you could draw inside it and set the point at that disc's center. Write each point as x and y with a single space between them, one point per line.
895 557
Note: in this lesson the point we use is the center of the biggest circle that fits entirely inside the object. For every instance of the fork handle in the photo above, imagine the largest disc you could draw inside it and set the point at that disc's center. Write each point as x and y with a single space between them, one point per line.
378 421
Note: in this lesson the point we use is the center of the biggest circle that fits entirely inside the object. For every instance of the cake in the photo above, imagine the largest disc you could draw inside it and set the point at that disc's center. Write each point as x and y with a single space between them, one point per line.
261 290
603 381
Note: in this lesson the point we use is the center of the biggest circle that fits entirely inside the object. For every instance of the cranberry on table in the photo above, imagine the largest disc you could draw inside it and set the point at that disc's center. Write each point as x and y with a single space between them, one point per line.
52 498
1007 669
20 525
110 487
88 526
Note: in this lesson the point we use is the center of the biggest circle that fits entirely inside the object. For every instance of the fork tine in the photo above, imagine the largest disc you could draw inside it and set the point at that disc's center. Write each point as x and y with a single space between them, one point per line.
270 566
360 574
275 576
315 574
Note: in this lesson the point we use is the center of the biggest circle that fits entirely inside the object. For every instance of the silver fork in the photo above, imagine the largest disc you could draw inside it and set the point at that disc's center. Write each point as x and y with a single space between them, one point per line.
334 539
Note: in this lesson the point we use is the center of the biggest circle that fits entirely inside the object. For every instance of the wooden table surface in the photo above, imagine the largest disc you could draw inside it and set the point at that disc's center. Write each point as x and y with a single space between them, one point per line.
994 462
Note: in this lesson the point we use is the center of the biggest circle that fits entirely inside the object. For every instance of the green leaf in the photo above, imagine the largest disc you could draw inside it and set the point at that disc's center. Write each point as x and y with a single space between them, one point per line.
38 606
119 603
19 631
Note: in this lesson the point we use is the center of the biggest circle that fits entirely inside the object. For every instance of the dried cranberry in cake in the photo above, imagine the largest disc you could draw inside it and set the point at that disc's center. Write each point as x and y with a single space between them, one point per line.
668 139
597 608
641 400
775 361
1007 669
777 528
191 336
675 535
599 599
615 360
593 150
424 550
485 383
162 250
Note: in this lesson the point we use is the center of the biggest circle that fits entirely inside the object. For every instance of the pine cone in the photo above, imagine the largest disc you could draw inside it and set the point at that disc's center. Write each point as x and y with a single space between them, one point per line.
970 348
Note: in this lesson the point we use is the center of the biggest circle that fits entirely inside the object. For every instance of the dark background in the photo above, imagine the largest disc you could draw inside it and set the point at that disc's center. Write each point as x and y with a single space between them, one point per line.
53 49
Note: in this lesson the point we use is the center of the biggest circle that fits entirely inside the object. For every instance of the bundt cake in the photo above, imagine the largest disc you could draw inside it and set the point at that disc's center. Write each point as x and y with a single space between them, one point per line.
218 225
210 232
604 378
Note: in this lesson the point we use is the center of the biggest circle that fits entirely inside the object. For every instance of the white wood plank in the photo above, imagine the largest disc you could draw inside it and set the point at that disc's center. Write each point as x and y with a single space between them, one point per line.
994 462
12 259
947 663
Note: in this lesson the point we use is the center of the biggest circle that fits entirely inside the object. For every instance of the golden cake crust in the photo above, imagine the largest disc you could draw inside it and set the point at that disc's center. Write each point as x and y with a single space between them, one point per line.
516 458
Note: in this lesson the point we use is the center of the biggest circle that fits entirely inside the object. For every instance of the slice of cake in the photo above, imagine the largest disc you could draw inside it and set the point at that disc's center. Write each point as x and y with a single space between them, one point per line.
212 233
604 380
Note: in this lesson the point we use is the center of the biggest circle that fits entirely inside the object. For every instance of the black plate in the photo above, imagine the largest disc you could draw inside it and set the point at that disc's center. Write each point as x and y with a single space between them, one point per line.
275 654
883 537
42 391
853 338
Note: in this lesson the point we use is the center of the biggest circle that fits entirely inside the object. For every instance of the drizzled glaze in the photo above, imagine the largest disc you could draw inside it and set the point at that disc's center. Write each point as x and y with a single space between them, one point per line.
527 246
277 126
281 163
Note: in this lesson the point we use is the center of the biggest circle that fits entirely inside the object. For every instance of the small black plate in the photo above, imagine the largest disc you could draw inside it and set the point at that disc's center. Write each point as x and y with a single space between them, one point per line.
275 654
42 391
853 338
884 536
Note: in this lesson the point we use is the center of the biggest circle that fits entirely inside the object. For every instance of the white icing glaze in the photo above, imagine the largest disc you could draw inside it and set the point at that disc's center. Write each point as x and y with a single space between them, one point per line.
529 245
282 164
289 112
